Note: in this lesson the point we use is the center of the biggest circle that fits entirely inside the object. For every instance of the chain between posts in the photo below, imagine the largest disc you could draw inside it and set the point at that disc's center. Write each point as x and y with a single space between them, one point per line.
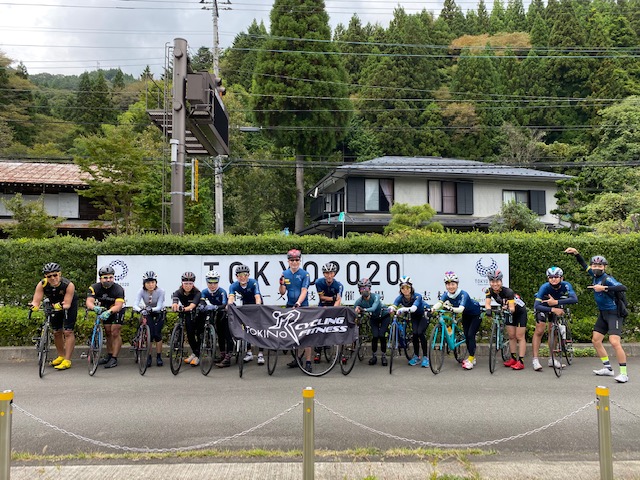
624 409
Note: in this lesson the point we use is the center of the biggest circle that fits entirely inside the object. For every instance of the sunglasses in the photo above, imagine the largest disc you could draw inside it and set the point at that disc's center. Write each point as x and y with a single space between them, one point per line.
242 274
364 289
294 259
107 277
52 275
554 276
212 281
187 283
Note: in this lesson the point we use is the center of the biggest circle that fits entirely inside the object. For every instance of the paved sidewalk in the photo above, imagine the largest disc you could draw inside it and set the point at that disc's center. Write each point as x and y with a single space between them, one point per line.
482 468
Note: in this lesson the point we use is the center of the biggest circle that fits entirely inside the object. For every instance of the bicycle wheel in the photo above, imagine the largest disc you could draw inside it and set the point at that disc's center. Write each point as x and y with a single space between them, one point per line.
493 346
143 347
505 349
567 345
242 351
95 348
176 348
348 356
272 361
460 351
405 339
207 349
43 349
392 346
436 349
330 353
555 350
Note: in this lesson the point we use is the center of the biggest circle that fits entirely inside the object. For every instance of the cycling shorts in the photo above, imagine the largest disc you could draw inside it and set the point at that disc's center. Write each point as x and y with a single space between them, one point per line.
543 317
379 325
156 322
59 322
517 318
115 319
609 322
419 323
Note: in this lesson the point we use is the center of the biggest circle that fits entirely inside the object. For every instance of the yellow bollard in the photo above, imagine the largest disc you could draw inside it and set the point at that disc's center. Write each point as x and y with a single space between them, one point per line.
6 399
604 433
308 445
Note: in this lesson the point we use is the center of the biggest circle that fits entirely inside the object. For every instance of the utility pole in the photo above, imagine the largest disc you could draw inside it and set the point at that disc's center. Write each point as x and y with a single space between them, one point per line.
219 202
215 48
178 128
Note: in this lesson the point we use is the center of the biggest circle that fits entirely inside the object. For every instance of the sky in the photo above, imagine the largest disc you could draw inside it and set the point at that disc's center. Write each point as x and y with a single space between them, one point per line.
73 36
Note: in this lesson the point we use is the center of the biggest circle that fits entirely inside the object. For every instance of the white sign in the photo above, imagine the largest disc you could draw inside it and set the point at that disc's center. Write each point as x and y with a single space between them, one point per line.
384 271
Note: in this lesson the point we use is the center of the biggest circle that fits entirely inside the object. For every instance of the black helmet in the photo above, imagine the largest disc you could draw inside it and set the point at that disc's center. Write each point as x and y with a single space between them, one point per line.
242 269
598 260
494 275
364 283
50 267
106 270
188 277
329 267
150 275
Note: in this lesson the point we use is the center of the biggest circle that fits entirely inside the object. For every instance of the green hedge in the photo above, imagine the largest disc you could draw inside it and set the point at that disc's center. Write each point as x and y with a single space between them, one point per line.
529 256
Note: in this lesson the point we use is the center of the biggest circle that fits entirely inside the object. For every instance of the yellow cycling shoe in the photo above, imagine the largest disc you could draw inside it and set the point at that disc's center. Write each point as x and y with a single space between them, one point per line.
64 365
57 361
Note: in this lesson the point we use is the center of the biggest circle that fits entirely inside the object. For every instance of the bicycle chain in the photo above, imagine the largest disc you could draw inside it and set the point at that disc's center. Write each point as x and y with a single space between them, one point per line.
156 450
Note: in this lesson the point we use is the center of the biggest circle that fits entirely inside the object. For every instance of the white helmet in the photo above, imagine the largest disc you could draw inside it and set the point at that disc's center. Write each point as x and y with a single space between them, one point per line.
451 277
212 275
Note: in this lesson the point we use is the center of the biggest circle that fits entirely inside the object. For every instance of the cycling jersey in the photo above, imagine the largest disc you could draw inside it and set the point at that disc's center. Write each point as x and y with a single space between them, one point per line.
564 293
462 299
153 300
106 296
326 290
184 298
56 294
372 305
505 297
414 300
216 297
294 283
247 293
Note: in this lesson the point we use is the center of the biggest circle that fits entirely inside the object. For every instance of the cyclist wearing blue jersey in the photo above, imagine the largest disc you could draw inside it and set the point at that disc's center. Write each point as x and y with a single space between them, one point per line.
550 300
295 282
609 320
215 299
409 301
370 302
329 294
247 290
458 301
150 303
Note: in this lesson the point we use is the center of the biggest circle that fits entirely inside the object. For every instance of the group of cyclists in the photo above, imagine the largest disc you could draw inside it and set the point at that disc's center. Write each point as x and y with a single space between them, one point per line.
106 299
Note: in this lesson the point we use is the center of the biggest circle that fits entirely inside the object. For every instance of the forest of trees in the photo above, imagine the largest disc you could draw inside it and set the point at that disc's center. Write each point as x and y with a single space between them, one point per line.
555 86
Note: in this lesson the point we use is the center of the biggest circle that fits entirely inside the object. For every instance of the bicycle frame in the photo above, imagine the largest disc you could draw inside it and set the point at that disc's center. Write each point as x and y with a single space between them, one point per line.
397 332
499 342
445 337
44 341
95 345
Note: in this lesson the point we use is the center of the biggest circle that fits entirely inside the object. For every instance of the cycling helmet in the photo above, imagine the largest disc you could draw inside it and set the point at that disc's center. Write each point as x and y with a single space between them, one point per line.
242 269
188 277
494 275
451 277
598 260
51 267
405 280
150 275
106 270
555 272
294 253
329 267
364 283
212 275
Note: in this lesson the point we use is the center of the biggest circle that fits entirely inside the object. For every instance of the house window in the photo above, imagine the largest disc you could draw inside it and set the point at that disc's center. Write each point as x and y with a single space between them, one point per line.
534 199
452 198
378 194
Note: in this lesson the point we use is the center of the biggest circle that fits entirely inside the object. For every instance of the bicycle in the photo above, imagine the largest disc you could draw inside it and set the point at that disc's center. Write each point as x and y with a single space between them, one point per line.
176 343
331 354
141 343
95 344
499 341
446 337
45 340
208 343
560 342
399 335
349 353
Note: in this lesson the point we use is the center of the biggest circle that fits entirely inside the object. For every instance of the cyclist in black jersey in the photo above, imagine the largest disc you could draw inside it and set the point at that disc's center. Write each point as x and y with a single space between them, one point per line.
516 323
106 298
187 299
64 299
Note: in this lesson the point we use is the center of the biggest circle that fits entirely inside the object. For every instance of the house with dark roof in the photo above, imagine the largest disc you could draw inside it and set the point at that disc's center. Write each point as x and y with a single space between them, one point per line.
465 194
58 184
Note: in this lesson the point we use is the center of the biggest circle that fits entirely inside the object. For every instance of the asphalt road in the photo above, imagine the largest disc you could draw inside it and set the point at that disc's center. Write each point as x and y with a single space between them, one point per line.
159 410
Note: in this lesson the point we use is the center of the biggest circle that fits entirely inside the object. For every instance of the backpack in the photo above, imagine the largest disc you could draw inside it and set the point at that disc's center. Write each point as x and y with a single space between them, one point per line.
621 302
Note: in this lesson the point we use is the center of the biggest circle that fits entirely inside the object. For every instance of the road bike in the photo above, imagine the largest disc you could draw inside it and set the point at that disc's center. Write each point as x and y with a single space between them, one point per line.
330 353
446 337
499 341
560 341
208 343
399 338
95 344
45 340
176 342
349 353
141 343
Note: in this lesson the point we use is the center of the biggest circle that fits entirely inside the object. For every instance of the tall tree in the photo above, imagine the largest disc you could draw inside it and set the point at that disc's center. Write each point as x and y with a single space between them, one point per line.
484 21
497 18
238 62
454 17
515 18
300 86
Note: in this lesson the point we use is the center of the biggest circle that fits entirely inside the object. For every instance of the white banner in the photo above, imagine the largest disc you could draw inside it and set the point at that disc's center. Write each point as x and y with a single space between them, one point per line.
384 271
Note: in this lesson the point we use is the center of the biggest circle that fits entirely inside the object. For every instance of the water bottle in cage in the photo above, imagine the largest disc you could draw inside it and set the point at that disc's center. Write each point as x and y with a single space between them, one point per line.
563 331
